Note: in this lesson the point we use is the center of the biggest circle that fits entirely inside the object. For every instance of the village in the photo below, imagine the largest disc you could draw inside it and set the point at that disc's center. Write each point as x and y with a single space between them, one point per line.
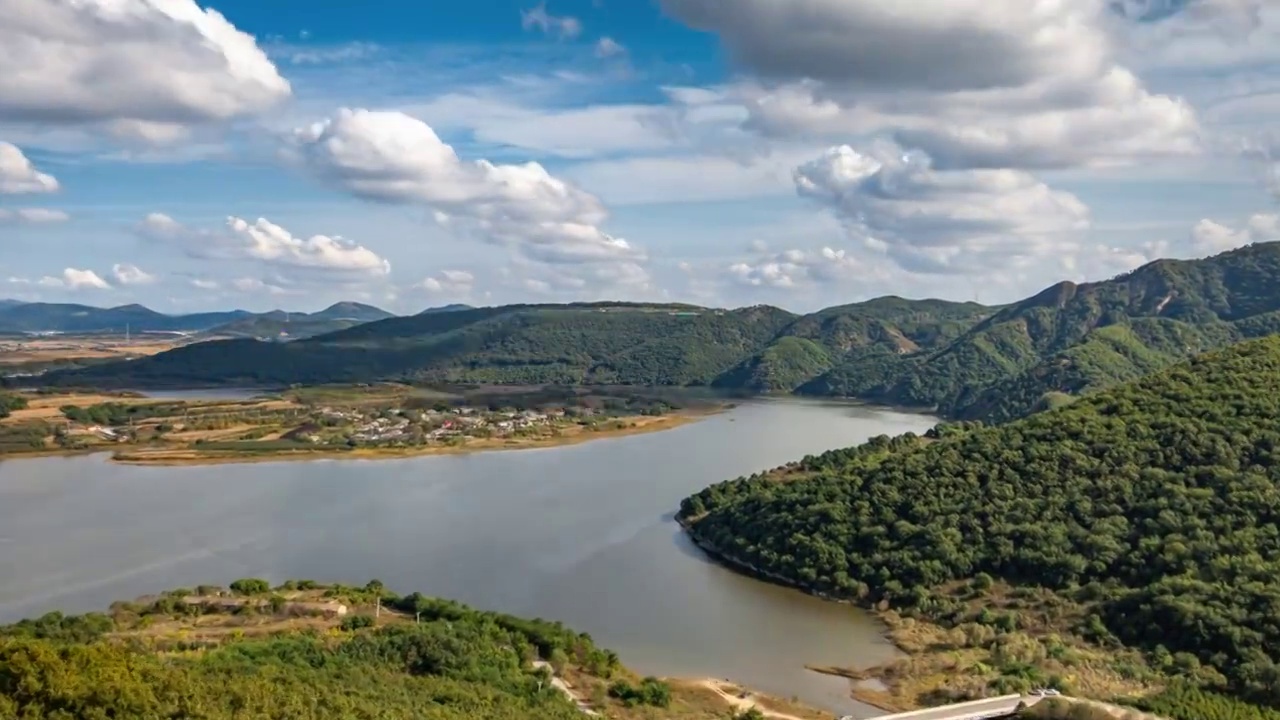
397 426
384 418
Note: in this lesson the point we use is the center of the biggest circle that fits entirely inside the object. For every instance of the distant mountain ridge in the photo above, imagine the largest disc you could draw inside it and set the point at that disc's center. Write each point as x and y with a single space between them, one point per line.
17 316
964 360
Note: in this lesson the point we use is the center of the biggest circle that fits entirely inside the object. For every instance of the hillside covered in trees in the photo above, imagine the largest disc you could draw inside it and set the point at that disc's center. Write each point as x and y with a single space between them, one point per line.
259 652
966 360
1153 507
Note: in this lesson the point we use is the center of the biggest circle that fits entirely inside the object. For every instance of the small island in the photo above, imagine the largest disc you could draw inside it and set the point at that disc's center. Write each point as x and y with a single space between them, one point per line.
302 650
371 421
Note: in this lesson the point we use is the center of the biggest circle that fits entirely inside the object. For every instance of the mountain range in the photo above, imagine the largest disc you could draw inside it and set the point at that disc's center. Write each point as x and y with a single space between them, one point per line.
965 360
22 317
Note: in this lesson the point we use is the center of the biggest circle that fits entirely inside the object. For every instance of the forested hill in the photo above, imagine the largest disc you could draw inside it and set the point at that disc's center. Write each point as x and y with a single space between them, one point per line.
968 361
602 343
1153 504
1076 338
261 652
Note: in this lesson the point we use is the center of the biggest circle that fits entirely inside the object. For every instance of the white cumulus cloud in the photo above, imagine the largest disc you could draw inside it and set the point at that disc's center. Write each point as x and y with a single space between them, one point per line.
1209 237
930 221
18 175
148 65
975 83
796 269
263 240
607 47
449 282
74 279
126 274
393 157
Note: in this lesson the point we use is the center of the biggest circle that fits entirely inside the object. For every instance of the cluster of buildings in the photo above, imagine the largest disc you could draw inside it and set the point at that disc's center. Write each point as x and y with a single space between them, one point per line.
426 426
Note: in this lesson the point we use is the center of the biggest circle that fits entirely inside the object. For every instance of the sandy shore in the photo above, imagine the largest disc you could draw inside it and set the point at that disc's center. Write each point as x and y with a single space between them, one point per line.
637 425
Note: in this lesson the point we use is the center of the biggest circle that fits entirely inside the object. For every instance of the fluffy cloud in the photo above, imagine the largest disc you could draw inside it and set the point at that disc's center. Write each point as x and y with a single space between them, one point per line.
33 216
607 47
1210 238
974 83
265 241
449 282
392 157
537 18
73 279
19 175
794 269
125 274
146 66
931 221
1202 37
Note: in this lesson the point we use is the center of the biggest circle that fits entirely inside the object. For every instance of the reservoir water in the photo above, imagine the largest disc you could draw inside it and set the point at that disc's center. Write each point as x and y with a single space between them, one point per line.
582 534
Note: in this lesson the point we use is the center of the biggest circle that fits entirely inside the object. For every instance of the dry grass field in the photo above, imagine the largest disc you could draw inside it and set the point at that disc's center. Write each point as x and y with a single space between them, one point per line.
63 348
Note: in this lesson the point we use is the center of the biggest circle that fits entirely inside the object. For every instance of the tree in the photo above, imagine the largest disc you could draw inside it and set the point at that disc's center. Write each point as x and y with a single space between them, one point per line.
250 586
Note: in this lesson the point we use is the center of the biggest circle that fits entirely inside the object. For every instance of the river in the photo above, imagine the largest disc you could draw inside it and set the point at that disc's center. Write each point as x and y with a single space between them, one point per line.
582 534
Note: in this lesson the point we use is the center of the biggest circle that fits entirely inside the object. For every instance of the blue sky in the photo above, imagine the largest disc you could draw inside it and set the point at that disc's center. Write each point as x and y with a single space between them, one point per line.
803 154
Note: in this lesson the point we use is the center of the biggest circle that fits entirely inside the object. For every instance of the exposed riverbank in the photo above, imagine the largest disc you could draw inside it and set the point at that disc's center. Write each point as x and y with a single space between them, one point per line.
947 664
865 687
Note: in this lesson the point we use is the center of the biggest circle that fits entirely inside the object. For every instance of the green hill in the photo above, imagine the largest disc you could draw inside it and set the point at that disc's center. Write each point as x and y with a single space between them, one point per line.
1152 507
965 360
1077 338
258 652
757 348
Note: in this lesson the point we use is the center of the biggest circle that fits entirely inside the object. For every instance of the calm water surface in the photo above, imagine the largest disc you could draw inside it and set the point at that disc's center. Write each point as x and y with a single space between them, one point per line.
207 394
581 534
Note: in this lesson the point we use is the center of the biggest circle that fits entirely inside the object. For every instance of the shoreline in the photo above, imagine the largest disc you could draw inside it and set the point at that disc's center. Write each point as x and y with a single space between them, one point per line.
865 695
881 685
193 456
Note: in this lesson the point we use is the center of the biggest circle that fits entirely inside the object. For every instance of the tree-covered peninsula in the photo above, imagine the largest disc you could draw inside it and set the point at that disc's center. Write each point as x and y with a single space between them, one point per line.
302 651
1141 521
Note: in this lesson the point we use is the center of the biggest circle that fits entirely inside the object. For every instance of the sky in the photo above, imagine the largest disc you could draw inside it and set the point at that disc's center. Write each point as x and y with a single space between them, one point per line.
797 153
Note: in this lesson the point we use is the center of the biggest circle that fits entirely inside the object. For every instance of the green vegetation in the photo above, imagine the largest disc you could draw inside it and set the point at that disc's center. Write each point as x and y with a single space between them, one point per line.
783 366
114 413
305 651
966 360
1147 512
448 661
24 438
1184 701
10 402
650 691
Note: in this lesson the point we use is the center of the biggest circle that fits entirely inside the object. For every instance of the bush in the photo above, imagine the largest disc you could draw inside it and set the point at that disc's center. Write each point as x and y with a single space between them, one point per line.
351 623
651 691
250 586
